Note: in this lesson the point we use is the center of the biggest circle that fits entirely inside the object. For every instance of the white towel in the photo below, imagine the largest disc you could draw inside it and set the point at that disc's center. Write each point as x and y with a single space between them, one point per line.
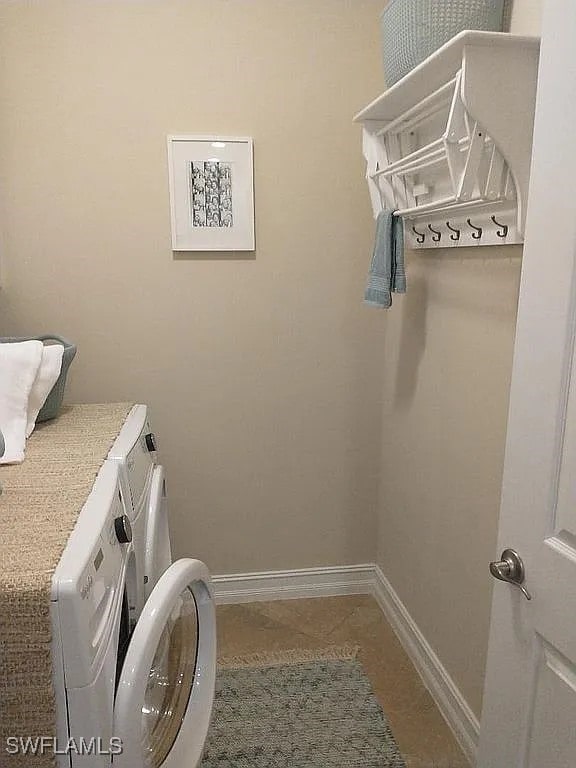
47 376
19 364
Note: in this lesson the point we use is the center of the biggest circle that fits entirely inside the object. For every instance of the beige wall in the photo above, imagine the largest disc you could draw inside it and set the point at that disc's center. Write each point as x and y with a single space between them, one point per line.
261 372
446 367
525 18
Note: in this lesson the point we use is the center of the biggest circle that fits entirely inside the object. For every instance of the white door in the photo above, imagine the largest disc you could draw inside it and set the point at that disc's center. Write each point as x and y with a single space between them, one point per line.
166 688
529 715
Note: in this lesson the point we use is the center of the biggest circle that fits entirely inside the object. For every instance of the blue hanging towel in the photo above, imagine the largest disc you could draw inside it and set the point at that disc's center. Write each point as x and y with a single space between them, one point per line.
386 275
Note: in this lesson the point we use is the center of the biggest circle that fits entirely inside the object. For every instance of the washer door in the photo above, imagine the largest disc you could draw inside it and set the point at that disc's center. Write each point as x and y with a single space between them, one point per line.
166 687
157 555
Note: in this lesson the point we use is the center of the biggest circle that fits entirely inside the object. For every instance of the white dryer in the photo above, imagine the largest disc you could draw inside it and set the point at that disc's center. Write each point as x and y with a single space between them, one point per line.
139 697
144 490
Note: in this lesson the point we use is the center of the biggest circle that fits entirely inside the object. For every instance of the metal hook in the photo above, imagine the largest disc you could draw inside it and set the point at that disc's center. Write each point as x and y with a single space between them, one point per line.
456 236
420 236
476 235
436 235
503 231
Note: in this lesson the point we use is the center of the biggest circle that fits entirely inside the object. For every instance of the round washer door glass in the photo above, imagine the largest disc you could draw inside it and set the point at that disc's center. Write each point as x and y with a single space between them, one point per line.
166 686
170 680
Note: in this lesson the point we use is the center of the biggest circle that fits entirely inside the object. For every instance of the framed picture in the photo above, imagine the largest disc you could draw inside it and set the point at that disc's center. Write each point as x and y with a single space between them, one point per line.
211 193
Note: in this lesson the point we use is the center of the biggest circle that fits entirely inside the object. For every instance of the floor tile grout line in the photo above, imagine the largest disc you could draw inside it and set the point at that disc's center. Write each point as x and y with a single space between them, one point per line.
340 623
303 632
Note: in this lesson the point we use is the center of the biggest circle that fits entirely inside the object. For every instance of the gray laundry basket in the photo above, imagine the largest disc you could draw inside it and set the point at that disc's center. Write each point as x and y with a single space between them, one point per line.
411 30
51 407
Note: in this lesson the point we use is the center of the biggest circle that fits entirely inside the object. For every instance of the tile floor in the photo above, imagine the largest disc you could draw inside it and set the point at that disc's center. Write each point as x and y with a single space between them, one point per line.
422 735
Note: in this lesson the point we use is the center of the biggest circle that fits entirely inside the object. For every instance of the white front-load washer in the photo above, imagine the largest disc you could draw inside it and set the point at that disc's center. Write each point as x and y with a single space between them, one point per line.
135 695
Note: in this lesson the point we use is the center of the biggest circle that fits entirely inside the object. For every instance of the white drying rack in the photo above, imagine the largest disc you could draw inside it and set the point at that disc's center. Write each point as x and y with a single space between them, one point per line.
448 147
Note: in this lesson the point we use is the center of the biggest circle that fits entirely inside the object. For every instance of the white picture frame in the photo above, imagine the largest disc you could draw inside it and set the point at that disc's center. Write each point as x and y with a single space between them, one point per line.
211 182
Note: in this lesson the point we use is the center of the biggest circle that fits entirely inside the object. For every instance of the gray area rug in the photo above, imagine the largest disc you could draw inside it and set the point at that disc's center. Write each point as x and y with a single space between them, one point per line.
291 710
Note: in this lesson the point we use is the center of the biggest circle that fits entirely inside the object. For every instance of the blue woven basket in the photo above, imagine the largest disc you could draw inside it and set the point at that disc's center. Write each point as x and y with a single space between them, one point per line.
51 407
411 30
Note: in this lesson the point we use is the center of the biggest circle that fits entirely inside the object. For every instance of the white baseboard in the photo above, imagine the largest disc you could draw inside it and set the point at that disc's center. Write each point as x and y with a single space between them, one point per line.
449 700
287 585
365 579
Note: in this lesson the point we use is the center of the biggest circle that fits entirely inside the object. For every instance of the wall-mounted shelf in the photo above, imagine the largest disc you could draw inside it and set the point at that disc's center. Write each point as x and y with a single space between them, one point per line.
448 147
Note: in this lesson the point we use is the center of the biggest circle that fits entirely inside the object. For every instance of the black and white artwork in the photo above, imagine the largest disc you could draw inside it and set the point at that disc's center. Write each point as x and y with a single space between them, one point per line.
210 193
